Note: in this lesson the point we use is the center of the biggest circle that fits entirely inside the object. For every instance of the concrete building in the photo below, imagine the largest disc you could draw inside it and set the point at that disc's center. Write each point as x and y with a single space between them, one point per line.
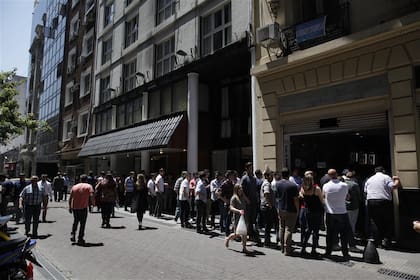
337 86
75 108
172 86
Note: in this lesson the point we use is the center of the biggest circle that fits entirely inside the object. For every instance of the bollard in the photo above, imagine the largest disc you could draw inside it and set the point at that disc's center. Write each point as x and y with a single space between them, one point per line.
370 254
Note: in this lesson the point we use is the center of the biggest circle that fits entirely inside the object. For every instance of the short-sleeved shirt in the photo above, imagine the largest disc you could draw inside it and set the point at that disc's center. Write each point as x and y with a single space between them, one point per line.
160 184
80 194
33 194
267 189
215 185
249 185
200 191
151 187
184 190
379 186
335 196
286 193
129 183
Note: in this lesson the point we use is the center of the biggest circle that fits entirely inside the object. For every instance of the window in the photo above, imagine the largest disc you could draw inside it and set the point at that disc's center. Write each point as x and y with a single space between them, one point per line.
85 83
121 116
106 50
88 43
165 57
166 101
82 124
225 126
68 98
131 31
138 110
129 113
154 104
165 9
128 2
74 26
103 121
71 63
67 129
105 91
216 30
129 74
109 13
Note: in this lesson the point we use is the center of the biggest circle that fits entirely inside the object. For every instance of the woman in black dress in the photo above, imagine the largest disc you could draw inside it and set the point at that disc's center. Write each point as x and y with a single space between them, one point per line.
140 199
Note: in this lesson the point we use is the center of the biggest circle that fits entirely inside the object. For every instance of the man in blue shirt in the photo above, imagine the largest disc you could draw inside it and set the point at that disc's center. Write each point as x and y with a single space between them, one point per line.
129 190
30 200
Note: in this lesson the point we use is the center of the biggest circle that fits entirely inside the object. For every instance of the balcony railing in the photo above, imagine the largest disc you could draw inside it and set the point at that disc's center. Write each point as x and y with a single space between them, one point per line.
320 30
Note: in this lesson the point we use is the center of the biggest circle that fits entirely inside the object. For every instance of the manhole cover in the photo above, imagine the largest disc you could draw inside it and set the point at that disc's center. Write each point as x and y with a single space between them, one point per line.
398 274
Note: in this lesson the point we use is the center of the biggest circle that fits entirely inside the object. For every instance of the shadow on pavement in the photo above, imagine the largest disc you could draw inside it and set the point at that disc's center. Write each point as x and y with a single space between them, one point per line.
147 228
47 222
88 244
116 227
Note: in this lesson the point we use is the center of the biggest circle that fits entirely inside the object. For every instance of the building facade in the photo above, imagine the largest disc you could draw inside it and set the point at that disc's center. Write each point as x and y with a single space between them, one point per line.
339 88
172 86
75 108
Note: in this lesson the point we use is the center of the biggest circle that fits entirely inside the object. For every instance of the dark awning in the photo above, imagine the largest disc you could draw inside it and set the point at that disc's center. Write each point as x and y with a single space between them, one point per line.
150 135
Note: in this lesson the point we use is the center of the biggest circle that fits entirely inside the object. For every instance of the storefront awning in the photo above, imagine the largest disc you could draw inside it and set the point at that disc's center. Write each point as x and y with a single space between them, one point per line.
150 135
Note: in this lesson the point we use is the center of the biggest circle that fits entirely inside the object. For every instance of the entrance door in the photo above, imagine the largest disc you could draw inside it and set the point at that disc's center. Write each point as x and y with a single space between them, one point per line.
356 150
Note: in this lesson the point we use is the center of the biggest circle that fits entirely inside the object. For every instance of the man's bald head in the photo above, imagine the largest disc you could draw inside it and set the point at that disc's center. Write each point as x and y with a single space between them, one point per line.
332 173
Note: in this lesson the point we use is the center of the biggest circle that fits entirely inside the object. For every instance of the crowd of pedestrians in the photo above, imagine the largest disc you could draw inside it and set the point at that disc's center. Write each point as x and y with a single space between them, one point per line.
266 200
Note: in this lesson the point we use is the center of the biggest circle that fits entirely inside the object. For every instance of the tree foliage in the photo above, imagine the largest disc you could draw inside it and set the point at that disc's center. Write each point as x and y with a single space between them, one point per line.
12 122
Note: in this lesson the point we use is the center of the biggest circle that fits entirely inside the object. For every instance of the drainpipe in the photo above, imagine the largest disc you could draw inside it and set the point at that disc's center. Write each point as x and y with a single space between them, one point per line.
253 90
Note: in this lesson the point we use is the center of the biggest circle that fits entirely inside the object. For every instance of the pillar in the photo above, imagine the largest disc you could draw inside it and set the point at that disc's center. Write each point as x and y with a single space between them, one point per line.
192 111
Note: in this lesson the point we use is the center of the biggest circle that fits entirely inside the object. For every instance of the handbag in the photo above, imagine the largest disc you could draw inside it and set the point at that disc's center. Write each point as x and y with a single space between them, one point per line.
241 228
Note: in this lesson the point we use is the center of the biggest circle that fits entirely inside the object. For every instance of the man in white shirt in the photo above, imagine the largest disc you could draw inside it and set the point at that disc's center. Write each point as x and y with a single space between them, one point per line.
201 203
335 194
48 190
184 196
151 198
378 189
160 188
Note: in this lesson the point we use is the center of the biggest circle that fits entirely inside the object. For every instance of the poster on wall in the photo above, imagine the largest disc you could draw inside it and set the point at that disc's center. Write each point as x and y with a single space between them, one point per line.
363 158
371 159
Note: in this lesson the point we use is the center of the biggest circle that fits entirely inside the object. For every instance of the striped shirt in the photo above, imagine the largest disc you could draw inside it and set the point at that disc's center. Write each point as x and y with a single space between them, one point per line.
33 194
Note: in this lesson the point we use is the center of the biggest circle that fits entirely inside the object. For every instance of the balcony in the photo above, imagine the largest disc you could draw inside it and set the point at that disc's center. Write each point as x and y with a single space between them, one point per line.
325 28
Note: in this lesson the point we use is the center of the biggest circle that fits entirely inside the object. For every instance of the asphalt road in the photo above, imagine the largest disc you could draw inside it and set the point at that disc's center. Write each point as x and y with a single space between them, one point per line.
165 251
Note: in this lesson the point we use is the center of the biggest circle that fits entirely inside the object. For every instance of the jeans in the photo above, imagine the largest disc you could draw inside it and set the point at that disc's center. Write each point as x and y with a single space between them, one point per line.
201 215
225 218
32 213
287 225
251 217
269 215
177 209
159 205
79 216
338 224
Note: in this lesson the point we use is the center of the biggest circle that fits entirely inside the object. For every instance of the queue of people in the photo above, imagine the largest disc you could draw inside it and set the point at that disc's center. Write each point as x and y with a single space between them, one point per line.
266 201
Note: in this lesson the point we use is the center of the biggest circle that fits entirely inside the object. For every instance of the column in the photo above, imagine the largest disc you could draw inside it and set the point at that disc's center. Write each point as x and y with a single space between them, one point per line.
192 111
145 161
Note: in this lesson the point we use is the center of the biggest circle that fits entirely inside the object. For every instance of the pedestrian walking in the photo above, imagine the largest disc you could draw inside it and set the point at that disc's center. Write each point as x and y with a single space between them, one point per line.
237 206
58 186
30 201
48 190
139 202
129 184
378 189
334 194
107 191
80 195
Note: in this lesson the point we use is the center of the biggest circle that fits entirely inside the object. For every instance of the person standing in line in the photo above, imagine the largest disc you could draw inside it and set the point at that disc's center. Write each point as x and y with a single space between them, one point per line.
201 203
160 189
140 199
250 193
267 206
109 195
176 190
193 183
259 180
58 185
80 195
334 194
48 190
295 178
237 206
215 186
30 201
184 195
225 194
288 209
378 189
91 181
353 202
129 185
312 200
152 194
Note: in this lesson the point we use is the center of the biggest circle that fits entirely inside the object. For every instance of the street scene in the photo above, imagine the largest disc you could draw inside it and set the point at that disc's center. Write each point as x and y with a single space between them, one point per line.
166 251
209 139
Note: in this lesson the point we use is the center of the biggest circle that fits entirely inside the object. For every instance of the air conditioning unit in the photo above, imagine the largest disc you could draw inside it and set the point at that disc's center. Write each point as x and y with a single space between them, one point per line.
269 35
